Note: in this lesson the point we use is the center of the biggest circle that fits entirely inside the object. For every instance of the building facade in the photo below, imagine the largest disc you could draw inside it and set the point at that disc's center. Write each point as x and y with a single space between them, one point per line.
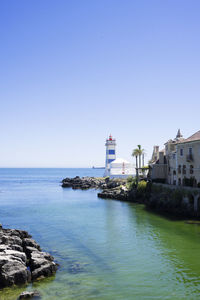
181 163
188 161
158 166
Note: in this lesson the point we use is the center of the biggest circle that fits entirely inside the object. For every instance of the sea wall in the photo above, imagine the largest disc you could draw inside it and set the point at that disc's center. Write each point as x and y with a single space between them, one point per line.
170 200
174 200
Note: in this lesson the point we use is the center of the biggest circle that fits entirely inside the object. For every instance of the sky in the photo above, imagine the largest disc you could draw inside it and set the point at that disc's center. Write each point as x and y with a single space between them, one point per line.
74 71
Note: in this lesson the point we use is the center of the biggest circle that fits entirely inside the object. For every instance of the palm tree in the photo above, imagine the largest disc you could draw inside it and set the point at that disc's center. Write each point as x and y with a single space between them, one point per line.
138 152
141 155
135 154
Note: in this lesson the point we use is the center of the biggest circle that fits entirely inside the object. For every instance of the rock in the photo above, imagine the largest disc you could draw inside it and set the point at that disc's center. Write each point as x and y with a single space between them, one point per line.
13 272
15 253
11 240
16 247
23 234
66 184
115 193
21 259
92 182
29 295
27 242
44 271
29 250
44 255
4 247
41 264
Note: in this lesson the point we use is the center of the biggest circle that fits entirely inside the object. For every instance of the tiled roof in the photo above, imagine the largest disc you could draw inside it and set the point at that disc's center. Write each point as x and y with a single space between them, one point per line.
194 137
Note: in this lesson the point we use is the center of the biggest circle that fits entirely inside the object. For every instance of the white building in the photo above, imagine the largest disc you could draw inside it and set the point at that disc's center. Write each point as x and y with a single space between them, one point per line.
119 168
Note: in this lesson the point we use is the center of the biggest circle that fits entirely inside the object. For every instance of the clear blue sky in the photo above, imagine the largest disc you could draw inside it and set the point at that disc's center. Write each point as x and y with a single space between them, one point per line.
72 72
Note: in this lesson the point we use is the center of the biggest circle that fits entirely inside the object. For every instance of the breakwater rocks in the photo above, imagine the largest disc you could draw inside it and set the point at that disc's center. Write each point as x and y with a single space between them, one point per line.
84 183
21 259
92 182
110 188
117 193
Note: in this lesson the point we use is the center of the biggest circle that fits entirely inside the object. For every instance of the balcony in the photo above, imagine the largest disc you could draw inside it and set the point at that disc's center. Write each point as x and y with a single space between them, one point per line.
190 158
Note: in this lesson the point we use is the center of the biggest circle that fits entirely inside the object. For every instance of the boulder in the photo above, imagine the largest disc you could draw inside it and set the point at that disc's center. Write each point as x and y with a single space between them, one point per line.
29 295
15 254
11 240
16 247
13 272
118 193
45 270
29 250
27 242
42 264
21 259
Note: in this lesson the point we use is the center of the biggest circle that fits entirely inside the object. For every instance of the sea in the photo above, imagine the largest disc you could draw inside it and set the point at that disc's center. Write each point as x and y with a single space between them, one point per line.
106 249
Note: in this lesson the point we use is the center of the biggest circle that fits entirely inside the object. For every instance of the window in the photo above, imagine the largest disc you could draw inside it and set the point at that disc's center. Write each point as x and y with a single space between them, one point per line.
111 151
179 169
190 155
191 169
184 169
174 156
181 152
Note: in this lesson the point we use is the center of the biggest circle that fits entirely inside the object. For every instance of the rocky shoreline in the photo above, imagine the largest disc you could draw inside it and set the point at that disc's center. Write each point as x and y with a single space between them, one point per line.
158 198
21 259
110 188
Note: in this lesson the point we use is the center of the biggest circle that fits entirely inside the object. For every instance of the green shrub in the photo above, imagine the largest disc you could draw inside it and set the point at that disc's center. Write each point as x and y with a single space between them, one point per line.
142 186
131 183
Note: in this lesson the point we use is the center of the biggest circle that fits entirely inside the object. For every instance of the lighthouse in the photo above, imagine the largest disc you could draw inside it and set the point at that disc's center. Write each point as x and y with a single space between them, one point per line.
116 168
110 154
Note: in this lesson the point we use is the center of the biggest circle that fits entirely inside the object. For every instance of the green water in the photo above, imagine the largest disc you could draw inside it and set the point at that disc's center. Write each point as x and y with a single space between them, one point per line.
106 249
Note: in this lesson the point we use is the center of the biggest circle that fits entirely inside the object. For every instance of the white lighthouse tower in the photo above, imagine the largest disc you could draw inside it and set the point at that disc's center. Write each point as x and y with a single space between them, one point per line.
110 154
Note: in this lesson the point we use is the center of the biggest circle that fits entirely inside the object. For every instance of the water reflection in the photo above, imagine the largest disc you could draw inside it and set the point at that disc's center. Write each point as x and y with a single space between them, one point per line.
177 242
